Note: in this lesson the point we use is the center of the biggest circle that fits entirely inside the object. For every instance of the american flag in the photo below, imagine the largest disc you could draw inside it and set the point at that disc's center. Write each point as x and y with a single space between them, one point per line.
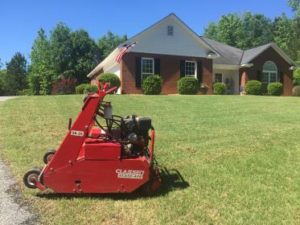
123 50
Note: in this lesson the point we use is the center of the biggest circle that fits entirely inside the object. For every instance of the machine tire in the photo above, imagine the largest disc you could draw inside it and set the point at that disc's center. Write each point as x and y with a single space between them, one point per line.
48 156
29 176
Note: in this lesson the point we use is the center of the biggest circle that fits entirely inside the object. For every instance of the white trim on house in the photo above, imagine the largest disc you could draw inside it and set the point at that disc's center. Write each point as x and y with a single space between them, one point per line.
278 50
195 69
226 67
269 73
153 67
171 17
106 64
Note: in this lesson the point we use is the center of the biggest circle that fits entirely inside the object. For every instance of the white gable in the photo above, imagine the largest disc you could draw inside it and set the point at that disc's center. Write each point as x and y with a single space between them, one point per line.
183 42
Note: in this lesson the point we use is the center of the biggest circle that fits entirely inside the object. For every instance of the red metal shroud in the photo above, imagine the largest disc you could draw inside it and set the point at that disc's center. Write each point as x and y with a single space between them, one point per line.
87 165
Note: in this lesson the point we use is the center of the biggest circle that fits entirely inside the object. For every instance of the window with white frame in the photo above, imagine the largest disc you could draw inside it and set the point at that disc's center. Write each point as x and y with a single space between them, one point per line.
270 73
218 77
190 69
147 67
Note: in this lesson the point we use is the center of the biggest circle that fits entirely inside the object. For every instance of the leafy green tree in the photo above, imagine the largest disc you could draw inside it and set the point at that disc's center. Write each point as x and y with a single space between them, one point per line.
245 31
65 54
85 54
230 29
61 49
211 31
41 68
257 30
285 35
109 42
295 5
15 78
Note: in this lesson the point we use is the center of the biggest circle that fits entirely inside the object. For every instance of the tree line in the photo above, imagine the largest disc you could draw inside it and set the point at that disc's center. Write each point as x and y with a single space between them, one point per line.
249 30
64 57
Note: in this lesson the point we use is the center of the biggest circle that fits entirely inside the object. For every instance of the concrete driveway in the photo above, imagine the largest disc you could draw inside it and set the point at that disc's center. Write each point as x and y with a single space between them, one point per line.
12 208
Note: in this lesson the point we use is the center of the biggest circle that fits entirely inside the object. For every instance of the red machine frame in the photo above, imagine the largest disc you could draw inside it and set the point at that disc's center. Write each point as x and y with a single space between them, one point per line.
85 164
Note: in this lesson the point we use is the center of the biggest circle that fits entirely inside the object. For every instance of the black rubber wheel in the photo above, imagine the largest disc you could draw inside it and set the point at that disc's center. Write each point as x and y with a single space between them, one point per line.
31 176
48 156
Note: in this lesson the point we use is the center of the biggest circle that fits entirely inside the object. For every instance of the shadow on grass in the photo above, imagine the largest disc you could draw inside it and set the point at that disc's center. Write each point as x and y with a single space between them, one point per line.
171 180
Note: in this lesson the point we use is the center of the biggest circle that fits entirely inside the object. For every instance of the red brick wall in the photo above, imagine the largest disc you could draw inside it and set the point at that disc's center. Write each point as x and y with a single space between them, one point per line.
283 67
169 71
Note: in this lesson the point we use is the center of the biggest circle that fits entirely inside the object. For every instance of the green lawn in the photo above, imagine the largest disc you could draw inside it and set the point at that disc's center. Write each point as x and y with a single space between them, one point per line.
240 156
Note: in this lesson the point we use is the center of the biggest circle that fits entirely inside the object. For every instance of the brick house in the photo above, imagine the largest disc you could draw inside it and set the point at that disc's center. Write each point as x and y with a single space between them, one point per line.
172 50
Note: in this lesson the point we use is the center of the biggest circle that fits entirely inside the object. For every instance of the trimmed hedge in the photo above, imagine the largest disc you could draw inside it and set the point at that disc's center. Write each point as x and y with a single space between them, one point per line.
188 86
275 88
152 85
80 88
111 78
253 87
219 88
90 89
296 90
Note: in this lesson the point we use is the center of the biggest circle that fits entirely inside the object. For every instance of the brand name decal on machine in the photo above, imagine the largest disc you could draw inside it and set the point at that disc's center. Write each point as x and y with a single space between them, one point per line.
77 133
130 174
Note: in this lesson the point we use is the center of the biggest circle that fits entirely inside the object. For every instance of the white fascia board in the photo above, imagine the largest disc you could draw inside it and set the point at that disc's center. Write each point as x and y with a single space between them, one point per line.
108 62
226 67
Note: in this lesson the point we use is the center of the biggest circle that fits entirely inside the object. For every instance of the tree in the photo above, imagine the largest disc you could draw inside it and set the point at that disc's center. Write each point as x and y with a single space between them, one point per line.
61 49
85 54
41 69
257 30
246 31
15 78
295 5
230 29
109 42
65 54
285 35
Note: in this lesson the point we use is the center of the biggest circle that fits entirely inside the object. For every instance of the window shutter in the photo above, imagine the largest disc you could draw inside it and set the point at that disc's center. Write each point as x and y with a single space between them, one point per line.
258 75
157 66
199 72
182 68
138 72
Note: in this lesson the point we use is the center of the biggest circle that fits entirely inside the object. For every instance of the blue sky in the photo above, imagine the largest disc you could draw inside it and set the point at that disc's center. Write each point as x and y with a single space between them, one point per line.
21 19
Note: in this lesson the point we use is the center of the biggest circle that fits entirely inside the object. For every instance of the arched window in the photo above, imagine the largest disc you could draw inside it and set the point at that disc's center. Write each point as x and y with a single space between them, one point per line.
270 73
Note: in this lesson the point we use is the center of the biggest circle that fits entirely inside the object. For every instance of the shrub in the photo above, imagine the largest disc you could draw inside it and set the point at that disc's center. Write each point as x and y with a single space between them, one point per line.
188 86
64 86
275 88
296 90
296 77
253 87
25 92
152 85
219 88
90 88
80 88
110 78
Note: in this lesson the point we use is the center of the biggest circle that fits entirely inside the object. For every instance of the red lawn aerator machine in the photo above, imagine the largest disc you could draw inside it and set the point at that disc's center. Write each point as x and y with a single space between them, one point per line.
101 153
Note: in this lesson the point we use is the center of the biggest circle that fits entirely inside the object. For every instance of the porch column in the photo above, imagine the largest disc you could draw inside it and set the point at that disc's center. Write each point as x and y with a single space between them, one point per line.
244 79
